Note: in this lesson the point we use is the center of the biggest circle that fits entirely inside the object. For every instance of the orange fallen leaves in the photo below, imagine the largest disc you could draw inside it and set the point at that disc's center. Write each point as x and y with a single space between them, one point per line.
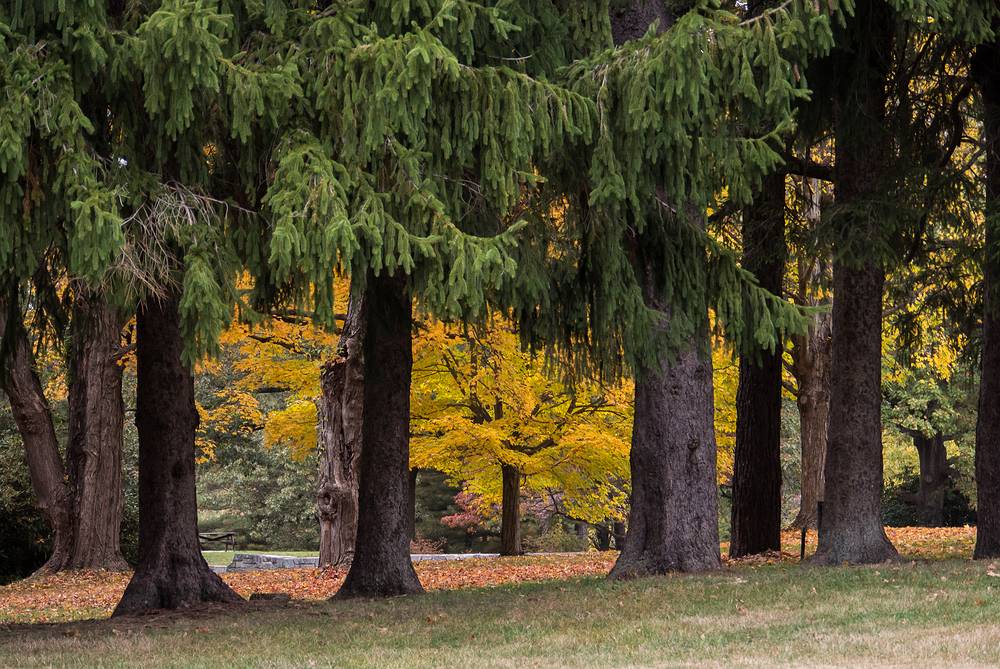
82 595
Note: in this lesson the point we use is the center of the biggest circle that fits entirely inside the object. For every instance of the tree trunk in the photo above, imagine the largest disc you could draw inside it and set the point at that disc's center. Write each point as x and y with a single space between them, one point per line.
411 505
510 517
852 507
382 565
171 572
852 528
618 531
934 478
96 420
811 366
341 411
602 534
83 500
33 418
811 358
673 517
986 72
756 513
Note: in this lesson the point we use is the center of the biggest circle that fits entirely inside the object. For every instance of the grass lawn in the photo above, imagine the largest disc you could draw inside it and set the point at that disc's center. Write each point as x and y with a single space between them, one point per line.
940 613
223 558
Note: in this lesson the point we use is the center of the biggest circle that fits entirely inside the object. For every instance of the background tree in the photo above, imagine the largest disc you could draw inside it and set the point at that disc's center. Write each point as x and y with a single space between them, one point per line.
489 416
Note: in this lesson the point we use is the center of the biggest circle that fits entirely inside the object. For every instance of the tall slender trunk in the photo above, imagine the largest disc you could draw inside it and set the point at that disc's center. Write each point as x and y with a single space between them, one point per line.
33 418
171 572
382 565
510 517
811 358
673 517
986 72
756 513
341 411
852 528
96 420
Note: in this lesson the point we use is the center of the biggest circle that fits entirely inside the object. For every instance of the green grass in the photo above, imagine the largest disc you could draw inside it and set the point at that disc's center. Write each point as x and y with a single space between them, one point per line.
912 614
222 558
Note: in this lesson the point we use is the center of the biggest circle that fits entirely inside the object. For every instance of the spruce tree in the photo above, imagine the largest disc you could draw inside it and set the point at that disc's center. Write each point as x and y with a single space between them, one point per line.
146 123
674 104
58 230
409 170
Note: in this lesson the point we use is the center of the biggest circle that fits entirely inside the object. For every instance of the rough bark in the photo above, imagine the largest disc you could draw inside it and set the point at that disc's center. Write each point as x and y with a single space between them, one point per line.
341 411
33 418
171 572
382 565
673 517
852 528
82 500
96 419
935 476
510 517
756 512
986 72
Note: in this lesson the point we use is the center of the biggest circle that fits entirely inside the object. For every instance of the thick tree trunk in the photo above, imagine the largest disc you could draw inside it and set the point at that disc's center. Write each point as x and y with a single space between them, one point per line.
673 519
986 72
852 528
756 513
341 411
96 419
171 572
83 500
510 517
382 565
934 478
852 507
33 418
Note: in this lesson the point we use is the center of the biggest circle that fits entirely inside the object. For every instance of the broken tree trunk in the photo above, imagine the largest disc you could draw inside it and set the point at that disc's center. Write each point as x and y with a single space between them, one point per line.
341 411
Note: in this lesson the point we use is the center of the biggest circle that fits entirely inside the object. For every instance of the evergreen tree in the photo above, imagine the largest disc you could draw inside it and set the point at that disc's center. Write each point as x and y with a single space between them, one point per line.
58 229
409 172
674 106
